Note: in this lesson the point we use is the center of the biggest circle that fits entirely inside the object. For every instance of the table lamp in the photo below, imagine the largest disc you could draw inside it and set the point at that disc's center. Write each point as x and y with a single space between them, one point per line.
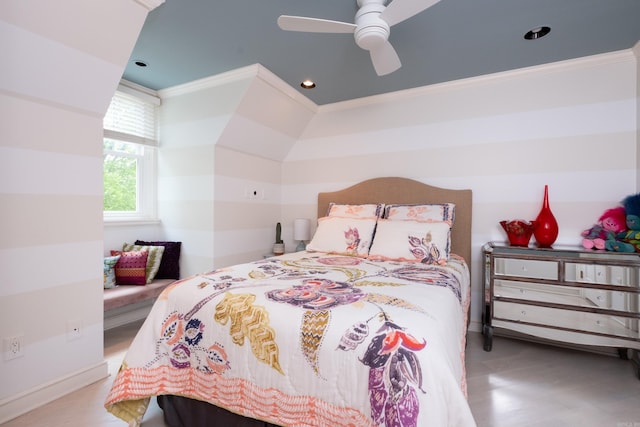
301 231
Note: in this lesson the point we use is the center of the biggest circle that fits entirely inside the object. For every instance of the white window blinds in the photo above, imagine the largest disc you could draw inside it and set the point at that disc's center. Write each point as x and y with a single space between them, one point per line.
131 117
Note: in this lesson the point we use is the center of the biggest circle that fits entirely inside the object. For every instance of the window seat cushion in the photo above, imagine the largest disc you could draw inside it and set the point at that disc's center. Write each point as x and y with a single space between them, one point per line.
130 294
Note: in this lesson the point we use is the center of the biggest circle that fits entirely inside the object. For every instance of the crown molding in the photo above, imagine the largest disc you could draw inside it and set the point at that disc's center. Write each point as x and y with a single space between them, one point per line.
257 70
239 74
221 79
268 77
587 61
150 4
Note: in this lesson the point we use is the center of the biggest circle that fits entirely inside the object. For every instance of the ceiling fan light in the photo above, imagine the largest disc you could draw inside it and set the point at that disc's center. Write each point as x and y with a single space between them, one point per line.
372 37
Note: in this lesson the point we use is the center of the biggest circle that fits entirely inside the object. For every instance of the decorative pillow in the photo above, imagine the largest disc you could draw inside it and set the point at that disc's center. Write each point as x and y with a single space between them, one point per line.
170 263
109 271
154 260
131 267
431 212
419 241
347 236
356 211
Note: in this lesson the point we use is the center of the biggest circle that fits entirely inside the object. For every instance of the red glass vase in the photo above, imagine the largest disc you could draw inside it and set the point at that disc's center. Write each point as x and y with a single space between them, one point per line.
546 231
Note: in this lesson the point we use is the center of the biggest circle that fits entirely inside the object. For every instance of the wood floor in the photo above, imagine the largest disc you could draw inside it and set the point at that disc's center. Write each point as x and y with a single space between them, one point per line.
516 384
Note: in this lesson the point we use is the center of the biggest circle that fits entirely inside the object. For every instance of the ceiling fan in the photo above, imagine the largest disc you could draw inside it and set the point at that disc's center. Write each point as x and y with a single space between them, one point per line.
371 29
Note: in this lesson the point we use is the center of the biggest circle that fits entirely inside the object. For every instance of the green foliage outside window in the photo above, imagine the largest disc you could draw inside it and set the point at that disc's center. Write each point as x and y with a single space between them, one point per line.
120 176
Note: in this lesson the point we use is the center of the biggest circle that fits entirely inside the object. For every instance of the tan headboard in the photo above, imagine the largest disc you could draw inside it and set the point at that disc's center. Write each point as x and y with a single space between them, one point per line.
392 190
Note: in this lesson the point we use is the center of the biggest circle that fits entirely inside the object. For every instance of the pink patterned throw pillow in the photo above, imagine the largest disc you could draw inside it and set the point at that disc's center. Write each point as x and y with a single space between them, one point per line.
131 267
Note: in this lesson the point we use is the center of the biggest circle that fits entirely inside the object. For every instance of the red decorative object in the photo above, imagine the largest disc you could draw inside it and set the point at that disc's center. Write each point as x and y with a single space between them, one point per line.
546 230
518 231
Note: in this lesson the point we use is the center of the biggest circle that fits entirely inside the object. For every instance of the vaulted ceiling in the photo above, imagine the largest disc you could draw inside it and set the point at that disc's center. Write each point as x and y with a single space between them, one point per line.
185 40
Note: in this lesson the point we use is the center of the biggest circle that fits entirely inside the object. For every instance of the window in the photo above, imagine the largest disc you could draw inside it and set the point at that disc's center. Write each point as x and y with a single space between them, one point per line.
129 158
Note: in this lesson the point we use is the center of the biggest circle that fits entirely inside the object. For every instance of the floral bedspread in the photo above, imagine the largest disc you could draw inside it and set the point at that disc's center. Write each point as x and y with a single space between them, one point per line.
308 339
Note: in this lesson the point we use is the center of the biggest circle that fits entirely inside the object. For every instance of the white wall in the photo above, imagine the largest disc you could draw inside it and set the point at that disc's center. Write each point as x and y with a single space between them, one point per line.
571 125
61 65
636 52
221 138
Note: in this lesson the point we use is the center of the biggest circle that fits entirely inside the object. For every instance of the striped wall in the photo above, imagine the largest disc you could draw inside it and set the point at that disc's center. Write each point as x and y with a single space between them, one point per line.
571 125
221 139
57 78
636 53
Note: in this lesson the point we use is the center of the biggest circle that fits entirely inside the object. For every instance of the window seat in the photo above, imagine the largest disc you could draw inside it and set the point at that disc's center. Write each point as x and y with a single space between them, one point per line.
128 303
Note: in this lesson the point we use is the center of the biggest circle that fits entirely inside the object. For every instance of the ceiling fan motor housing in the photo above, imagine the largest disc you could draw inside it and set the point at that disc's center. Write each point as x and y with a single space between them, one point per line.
371 31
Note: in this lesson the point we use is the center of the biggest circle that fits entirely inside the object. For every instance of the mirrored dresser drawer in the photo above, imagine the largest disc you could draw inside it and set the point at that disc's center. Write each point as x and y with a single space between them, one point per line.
564 294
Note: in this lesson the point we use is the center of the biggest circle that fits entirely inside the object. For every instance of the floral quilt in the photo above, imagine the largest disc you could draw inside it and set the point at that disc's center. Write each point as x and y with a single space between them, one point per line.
308 339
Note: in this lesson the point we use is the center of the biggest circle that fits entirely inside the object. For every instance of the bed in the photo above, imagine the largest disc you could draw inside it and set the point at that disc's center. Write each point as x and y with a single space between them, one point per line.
361 329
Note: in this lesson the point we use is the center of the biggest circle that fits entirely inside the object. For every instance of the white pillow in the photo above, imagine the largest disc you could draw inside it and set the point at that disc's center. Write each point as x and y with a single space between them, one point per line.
428 242
347 236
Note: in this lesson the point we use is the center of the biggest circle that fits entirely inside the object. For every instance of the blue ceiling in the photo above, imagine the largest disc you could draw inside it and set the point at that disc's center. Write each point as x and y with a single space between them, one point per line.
185 40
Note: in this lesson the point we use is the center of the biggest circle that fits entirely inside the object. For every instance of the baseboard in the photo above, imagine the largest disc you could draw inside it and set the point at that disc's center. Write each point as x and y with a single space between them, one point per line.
475 326
38 396
602 350
128 314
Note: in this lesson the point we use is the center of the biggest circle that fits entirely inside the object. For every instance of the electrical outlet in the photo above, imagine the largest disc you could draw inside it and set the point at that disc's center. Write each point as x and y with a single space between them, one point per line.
74 331
253 193
13 347
250 193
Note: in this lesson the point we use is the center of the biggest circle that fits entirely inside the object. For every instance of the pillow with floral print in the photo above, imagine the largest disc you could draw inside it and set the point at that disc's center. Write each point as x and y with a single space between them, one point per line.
428 242
373 210
346 236
421 212
109 271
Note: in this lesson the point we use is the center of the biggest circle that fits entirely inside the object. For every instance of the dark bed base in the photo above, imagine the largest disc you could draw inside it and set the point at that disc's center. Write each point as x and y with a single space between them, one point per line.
184 412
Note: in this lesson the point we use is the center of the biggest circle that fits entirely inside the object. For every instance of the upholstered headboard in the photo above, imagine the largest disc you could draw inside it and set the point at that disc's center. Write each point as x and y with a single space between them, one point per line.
395 190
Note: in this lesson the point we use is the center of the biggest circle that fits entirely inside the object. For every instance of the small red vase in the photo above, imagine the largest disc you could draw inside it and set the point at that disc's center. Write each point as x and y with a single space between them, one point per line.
546 231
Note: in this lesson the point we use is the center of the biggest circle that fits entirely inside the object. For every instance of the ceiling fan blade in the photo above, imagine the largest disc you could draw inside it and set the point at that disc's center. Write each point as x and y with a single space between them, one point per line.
314 25
399 10
385 59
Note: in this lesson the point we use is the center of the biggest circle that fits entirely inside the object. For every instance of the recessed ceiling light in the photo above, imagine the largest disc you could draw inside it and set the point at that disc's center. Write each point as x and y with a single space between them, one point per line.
536 33
307 84
139 63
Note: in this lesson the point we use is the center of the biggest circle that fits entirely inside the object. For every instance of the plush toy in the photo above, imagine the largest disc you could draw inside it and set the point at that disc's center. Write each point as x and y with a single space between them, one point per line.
610 223
628 240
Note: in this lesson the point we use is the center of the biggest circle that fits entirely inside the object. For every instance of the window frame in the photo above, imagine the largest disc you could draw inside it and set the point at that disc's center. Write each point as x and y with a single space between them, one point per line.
146 179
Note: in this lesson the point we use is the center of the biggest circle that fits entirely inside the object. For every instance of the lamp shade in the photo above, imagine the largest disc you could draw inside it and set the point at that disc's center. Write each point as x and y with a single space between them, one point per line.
301 229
